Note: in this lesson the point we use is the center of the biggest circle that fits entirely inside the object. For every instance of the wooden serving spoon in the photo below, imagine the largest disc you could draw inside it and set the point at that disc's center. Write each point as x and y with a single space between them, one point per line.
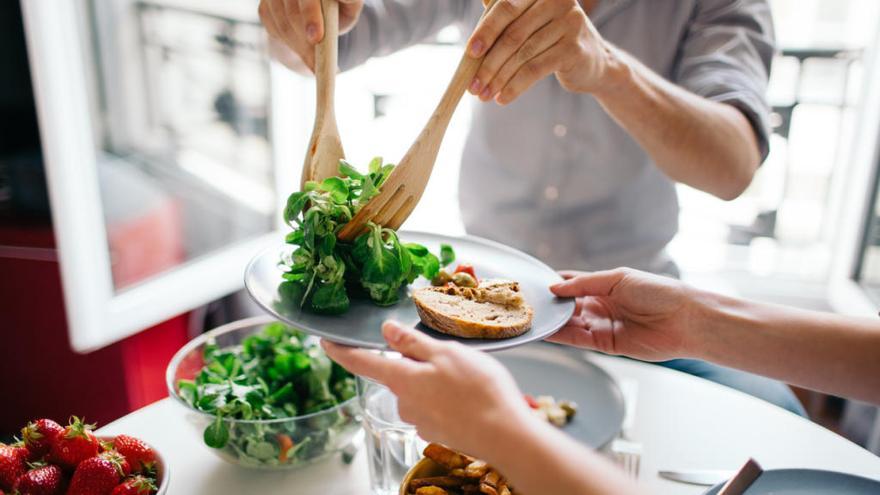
404 187
325 146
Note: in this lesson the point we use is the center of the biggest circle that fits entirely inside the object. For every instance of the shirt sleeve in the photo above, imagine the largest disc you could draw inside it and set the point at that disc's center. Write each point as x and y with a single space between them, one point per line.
725 56
386 26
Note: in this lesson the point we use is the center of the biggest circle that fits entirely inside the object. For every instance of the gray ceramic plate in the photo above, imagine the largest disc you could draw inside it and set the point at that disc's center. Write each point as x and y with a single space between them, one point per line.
808 482
361 325
564 373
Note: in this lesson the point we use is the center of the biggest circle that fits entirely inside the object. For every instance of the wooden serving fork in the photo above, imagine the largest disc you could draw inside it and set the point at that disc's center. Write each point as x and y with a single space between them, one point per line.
325 146
404 187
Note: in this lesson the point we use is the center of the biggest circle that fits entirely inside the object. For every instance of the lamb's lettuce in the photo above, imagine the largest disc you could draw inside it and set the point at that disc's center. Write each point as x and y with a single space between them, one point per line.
273 374
322 273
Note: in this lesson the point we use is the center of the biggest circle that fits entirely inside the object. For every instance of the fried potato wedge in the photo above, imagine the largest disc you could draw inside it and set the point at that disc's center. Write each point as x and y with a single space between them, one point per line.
476 469
491 478
464 476
441 481
447 457
487 489
431 490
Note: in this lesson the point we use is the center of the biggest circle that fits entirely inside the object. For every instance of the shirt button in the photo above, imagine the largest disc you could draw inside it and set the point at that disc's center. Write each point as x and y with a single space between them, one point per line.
551 193
560 130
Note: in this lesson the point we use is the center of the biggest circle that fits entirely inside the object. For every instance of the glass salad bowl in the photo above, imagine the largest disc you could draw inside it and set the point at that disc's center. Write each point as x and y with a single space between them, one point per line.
263 395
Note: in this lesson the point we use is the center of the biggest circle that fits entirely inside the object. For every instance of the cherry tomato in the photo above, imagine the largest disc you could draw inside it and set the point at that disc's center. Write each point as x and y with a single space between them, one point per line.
284 444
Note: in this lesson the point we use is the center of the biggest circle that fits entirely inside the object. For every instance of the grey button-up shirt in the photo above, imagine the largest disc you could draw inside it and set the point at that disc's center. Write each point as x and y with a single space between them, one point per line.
553 174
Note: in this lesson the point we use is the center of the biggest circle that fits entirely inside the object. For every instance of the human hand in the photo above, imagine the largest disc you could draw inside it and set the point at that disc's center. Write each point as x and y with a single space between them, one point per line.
299 24
631 313
527 40
453 394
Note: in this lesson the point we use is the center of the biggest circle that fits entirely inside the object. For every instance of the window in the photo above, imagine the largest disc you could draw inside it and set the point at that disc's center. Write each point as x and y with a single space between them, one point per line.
182 98
786 225
157 133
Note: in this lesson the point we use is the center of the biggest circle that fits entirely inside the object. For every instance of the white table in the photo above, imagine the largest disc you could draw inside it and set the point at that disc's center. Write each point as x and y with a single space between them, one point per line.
682 422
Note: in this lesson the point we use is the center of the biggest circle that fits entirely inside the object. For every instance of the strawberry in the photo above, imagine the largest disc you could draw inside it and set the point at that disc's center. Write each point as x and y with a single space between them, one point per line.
96 475
136 485
136 452
117 458
39 436
12 464
73 445
45 479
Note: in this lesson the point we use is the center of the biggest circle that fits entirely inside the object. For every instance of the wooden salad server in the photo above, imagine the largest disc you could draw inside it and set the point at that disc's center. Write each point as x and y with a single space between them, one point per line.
325 146
404 187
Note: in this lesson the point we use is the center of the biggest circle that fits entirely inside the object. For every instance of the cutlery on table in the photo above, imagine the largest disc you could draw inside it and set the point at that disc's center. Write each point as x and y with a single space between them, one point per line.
404 187
702 477
325 145
747 474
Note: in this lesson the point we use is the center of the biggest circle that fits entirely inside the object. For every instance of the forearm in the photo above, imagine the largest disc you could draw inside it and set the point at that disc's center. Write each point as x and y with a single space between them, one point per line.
707 145
821 351
538 458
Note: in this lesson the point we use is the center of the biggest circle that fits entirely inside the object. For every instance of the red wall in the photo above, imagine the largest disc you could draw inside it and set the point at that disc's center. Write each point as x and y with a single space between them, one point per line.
39 374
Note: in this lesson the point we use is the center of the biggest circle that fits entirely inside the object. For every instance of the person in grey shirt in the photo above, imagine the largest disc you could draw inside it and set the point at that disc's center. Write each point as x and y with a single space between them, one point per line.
600 107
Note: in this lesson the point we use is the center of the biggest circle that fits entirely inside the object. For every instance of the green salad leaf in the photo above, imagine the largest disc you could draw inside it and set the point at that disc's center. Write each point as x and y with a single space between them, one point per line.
447 255
322 273
216 434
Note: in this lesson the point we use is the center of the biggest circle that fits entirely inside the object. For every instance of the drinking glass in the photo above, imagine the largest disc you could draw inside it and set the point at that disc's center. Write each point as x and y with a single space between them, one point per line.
393 446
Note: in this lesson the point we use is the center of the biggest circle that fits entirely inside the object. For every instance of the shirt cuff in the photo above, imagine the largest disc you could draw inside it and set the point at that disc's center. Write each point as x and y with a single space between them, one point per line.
735 89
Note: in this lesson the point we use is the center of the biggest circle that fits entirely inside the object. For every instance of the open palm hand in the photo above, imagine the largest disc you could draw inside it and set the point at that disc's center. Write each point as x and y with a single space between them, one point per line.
629 313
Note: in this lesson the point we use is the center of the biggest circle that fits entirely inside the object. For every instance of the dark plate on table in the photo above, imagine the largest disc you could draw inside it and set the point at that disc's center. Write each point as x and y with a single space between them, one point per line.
565 374
361 325
808 482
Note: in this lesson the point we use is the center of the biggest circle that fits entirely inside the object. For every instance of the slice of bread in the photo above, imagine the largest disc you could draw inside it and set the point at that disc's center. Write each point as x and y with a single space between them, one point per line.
494 310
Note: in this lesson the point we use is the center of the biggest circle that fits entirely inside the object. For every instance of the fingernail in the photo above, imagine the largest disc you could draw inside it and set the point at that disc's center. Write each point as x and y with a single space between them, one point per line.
475 86
484 95
312 32
476 48
393 331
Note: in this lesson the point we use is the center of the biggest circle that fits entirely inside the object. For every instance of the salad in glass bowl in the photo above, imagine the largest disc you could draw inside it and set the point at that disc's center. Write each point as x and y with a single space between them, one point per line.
264 395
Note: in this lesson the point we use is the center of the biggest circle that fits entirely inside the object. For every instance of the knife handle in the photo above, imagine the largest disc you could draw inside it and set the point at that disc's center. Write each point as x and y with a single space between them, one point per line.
743 479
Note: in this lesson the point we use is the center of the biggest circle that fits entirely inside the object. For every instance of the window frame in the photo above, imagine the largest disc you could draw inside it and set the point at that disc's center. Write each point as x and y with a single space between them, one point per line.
846 294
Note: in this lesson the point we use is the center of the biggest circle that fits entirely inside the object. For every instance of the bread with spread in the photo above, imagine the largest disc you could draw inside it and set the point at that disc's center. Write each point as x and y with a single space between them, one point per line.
495 309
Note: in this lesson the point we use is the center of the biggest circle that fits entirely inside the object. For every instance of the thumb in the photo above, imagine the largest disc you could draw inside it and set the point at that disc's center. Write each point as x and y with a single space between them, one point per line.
408 341
590 284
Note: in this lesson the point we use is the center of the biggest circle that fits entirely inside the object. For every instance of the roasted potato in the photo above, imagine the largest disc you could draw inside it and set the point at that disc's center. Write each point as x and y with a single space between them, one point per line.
447 457
464 476
431 490
476 469
441 481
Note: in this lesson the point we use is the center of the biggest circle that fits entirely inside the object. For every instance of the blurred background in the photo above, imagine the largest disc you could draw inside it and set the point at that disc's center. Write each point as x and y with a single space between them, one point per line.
197 137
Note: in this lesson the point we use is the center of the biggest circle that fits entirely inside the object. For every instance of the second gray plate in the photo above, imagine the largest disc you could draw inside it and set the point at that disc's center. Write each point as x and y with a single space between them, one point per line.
808 482
361 325
564 373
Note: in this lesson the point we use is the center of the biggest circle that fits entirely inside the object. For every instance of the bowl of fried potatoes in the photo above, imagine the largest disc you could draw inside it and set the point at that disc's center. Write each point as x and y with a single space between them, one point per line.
444 471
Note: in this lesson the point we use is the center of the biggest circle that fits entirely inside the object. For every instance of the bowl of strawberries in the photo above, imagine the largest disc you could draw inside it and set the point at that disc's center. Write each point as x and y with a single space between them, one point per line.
52 459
